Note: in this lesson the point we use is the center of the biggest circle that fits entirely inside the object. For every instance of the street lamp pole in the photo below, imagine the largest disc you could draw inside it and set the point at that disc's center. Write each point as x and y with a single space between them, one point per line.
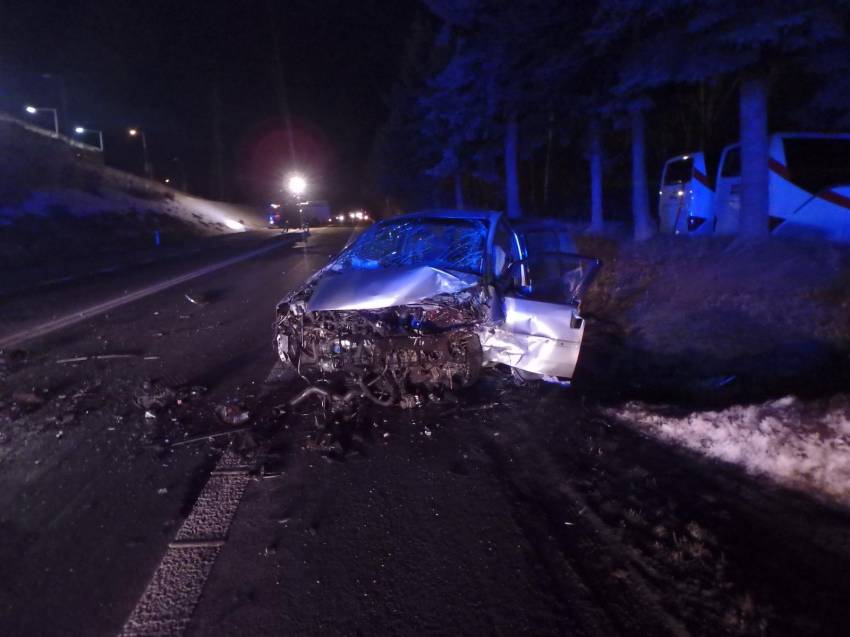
135 132
182 169
59 82
79 130
33 110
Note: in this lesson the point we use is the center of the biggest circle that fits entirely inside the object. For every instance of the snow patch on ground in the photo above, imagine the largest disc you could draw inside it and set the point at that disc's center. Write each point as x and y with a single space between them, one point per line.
804 446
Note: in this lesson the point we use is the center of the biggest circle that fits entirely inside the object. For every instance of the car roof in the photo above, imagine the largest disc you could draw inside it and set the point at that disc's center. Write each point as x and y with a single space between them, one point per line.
491 216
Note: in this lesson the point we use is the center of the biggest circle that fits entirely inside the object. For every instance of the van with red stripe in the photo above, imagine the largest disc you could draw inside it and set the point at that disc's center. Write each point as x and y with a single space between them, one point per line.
809 186
685 198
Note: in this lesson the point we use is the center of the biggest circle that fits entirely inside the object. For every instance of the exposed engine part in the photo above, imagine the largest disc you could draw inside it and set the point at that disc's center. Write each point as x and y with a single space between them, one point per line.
388 356
325 394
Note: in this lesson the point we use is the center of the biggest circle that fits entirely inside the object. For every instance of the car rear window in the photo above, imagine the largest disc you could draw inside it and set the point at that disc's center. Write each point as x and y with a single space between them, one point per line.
678 172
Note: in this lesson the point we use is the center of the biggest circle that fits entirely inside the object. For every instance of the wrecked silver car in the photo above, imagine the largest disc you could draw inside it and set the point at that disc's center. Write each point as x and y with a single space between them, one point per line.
421 303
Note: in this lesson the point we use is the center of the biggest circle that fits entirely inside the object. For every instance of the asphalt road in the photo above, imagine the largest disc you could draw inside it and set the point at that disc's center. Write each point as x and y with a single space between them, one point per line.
507 510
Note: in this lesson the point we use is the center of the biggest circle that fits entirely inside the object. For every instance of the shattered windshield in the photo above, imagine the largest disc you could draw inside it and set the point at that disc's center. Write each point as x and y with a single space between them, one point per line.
451 244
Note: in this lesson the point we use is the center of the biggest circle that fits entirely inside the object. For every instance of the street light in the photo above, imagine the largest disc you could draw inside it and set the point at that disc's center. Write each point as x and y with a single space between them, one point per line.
34 110
79 130
297 186
135 132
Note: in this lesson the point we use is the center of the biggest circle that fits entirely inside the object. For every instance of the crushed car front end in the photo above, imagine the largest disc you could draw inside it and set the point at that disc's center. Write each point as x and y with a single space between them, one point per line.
393 318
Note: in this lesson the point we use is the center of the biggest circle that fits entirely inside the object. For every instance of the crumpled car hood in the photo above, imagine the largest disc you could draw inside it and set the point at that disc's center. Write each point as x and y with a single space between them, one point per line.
391 287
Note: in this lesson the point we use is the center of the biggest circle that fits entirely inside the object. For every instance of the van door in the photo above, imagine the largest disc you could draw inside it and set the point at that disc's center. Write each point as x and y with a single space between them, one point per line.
674 194
727 198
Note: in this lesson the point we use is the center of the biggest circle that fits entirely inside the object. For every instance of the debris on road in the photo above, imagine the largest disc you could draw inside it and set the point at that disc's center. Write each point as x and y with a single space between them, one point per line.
153 395
27 399
195 301
203 437
8 358
103 357
232 414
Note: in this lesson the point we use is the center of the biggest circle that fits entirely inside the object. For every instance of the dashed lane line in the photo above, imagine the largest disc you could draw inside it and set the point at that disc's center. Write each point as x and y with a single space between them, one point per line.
86 313
165 608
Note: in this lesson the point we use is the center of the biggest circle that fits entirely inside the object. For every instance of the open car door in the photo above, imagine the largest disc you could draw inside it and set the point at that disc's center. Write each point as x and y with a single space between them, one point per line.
542 329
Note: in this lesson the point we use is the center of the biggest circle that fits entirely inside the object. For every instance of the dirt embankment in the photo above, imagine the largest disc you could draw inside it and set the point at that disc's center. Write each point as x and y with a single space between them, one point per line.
718 319
58 201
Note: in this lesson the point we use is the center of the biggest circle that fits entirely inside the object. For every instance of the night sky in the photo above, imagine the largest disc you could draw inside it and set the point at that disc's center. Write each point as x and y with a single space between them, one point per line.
156 65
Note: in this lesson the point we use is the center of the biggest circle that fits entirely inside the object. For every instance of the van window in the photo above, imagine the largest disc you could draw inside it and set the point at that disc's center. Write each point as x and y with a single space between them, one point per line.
816 164
732 163
678 172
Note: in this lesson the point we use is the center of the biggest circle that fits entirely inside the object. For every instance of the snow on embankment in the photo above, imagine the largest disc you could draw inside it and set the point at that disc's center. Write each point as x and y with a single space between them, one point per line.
58 199
803 446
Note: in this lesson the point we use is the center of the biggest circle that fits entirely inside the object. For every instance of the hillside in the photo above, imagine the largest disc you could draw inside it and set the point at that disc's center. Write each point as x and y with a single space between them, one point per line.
57 199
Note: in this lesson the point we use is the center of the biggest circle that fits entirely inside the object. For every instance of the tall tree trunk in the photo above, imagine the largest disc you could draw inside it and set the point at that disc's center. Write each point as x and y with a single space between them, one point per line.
532 182
458 191
596 221
511 168
548 166
640 195
754 156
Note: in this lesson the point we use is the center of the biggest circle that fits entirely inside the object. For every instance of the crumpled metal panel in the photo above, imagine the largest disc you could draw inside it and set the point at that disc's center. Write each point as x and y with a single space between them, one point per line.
538 354
535 337
536 318
390 287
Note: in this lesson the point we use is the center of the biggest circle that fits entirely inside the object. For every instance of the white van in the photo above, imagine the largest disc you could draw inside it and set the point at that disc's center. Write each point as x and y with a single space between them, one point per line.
686 198
809 186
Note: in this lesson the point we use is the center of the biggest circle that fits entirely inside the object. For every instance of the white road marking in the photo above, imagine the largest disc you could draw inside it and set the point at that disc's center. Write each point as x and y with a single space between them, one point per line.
167 604
99 308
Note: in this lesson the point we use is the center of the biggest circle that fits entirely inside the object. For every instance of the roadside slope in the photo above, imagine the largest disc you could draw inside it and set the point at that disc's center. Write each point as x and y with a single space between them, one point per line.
58 201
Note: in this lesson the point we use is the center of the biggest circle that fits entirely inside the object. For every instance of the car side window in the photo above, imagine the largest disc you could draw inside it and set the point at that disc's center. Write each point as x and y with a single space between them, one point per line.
505 251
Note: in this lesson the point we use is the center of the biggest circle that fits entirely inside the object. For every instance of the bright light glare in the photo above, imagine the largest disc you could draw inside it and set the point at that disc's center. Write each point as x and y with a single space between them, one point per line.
296 185
133 132
79 129
167 180
685 156
32 110
275 205
233 225
681 193
340 217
